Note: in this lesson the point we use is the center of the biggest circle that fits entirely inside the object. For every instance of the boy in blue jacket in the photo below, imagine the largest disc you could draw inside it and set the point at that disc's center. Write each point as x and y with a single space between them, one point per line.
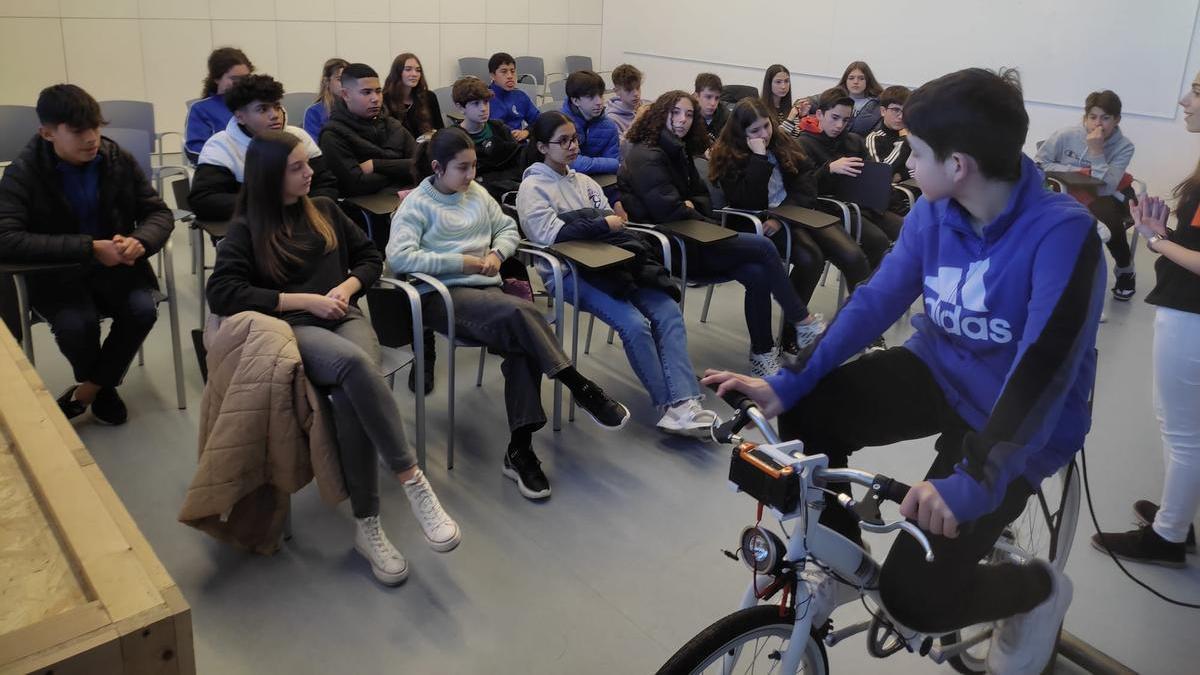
509 104
1001 366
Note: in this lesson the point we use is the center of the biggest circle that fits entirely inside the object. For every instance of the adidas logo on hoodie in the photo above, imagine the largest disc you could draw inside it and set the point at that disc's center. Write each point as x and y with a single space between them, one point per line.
960 307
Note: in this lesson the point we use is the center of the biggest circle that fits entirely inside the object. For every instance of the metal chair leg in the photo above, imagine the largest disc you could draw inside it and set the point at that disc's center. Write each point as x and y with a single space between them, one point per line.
611 333
479 375
587 343
26 312
707 301
173 315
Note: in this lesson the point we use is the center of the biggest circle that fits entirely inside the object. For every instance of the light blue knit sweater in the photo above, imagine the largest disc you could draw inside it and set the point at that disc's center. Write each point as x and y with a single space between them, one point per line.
432 231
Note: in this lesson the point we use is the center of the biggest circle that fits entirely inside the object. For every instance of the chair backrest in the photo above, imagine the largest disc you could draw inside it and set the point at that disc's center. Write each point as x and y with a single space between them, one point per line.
547 106
180 188
134 141
871 189
575 63
445 102
732 93
558 90
294 104
532 65
129 115
715 194
473 65
18 123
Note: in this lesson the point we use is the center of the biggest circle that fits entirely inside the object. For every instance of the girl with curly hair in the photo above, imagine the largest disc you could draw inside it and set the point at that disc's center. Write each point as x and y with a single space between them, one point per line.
659 183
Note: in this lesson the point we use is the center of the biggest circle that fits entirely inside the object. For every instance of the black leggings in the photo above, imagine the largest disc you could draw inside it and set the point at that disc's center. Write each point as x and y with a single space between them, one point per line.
890 396
812 247
1112 213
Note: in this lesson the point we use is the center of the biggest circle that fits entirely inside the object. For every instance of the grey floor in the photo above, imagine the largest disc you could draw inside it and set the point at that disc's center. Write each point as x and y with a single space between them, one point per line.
610 575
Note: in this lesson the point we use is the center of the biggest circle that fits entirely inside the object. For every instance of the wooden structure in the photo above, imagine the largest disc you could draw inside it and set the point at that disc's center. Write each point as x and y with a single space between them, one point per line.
80 589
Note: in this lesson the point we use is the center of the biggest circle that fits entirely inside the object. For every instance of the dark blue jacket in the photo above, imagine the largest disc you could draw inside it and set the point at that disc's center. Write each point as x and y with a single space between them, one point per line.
514 108
205 118
1008 332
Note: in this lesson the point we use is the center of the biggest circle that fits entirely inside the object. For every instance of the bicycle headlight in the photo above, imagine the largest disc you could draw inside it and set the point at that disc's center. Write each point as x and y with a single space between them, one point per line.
762 550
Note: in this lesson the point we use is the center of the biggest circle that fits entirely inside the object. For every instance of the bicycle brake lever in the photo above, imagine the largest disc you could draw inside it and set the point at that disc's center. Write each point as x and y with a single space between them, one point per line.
902 525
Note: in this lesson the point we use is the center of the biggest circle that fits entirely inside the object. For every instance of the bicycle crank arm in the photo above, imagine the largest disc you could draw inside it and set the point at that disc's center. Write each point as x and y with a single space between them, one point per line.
849 631
940 654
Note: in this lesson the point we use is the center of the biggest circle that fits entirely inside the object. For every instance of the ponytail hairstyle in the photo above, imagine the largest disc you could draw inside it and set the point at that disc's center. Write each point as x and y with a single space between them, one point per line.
542 131
731 151
330 70
219 63
442 148
260 203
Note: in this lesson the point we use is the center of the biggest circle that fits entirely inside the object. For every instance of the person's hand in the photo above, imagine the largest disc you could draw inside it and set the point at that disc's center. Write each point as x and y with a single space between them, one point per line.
615 223
896 178
1150 216
755 387
130 249
771 226
924 504
520 135
757 145
472 264
367 166
1095 141
846 166
106 252
403 193
793 114
345 290
688 203
324 306
619 209
491 265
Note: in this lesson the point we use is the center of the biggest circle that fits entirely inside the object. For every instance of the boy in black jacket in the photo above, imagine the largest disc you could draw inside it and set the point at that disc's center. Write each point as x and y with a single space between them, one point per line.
75 197
837 151
255 103
708 92
496 150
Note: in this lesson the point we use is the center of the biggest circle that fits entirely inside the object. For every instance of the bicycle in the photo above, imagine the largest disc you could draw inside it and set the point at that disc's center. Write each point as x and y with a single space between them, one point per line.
791 636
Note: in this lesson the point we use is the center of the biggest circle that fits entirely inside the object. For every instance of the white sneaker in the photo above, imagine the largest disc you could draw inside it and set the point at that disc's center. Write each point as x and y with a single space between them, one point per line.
440 530
389 566
1025 643
687 419
807 333
764 364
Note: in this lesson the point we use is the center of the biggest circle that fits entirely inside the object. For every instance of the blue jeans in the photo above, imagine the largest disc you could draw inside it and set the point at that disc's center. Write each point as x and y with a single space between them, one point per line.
652 332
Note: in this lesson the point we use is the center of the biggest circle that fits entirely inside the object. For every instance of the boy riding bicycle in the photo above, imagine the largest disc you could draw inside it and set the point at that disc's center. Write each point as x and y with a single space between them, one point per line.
1001 366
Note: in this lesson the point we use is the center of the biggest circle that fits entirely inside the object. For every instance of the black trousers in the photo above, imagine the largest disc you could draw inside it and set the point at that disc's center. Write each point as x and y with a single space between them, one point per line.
1112 213
73 305
890 396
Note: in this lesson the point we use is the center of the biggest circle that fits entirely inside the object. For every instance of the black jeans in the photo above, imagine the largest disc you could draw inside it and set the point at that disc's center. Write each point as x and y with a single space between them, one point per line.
751 261
890 396
1112 213
73 304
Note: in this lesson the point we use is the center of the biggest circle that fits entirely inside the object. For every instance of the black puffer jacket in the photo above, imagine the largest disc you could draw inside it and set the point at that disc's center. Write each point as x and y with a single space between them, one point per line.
822 150
37 223
655 180
348 140
748 186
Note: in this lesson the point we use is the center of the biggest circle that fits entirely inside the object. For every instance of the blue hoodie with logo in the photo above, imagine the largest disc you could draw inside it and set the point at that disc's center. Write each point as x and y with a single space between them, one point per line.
1009 332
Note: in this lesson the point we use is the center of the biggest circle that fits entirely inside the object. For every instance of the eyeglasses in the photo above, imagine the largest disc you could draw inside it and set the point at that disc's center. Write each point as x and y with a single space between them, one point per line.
566 142
895 109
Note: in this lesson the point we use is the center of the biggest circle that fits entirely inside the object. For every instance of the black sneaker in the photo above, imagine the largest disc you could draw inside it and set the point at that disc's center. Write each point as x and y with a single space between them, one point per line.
108 407
1141 545
609 413
1124 287
69 406
430 361
526 469
1145 511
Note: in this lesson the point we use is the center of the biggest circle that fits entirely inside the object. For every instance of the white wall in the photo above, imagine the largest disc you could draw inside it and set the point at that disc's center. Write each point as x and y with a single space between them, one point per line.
671 58
155 50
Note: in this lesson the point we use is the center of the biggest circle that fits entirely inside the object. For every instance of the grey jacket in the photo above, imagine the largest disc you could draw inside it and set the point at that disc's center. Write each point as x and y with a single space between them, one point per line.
1067 150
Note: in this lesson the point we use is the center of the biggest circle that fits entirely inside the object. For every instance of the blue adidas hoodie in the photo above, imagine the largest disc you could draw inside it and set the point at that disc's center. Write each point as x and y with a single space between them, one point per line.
514 108
1009 332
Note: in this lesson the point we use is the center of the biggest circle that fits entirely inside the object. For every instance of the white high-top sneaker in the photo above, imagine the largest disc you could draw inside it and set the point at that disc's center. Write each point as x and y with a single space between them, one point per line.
1025 643
389 567
440 530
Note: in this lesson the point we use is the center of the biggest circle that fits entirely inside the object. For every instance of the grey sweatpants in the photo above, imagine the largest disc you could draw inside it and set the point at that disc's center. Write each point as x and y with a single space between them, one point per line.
513 328
345 361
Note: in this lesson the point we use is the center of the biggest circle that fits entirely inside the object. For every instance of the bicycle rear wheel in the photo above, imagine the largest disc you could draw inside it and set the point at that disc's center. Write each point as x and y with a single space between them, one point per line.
748 641
1046 530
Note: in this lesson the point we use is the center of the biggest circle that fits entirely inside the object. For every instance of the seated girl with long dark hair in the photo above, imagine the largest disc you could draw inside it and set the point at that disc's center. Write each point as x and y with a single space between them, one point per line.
450 227
659 183
304 261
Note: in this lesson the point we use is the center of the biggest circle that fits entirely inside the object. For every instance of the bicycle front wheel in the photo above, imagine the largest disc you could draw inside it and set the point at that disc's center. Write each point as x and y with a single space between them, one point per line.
751 640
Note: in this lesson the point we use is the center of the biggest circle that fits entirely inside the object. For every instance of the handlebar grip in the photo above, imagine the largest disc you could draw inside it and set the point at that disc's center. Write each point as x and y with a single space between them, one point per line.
893 490
735 399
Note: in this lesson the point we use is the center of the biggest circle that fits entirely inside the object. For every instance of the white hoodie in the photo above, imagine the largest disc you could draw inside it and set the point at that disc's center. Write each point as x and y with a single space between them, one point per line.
227 149
545 193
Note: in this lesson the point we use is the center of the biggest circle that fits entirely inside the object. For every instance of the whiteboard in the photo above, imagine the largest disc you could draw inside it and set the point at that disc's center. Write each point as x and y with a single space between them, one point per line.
1064 49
